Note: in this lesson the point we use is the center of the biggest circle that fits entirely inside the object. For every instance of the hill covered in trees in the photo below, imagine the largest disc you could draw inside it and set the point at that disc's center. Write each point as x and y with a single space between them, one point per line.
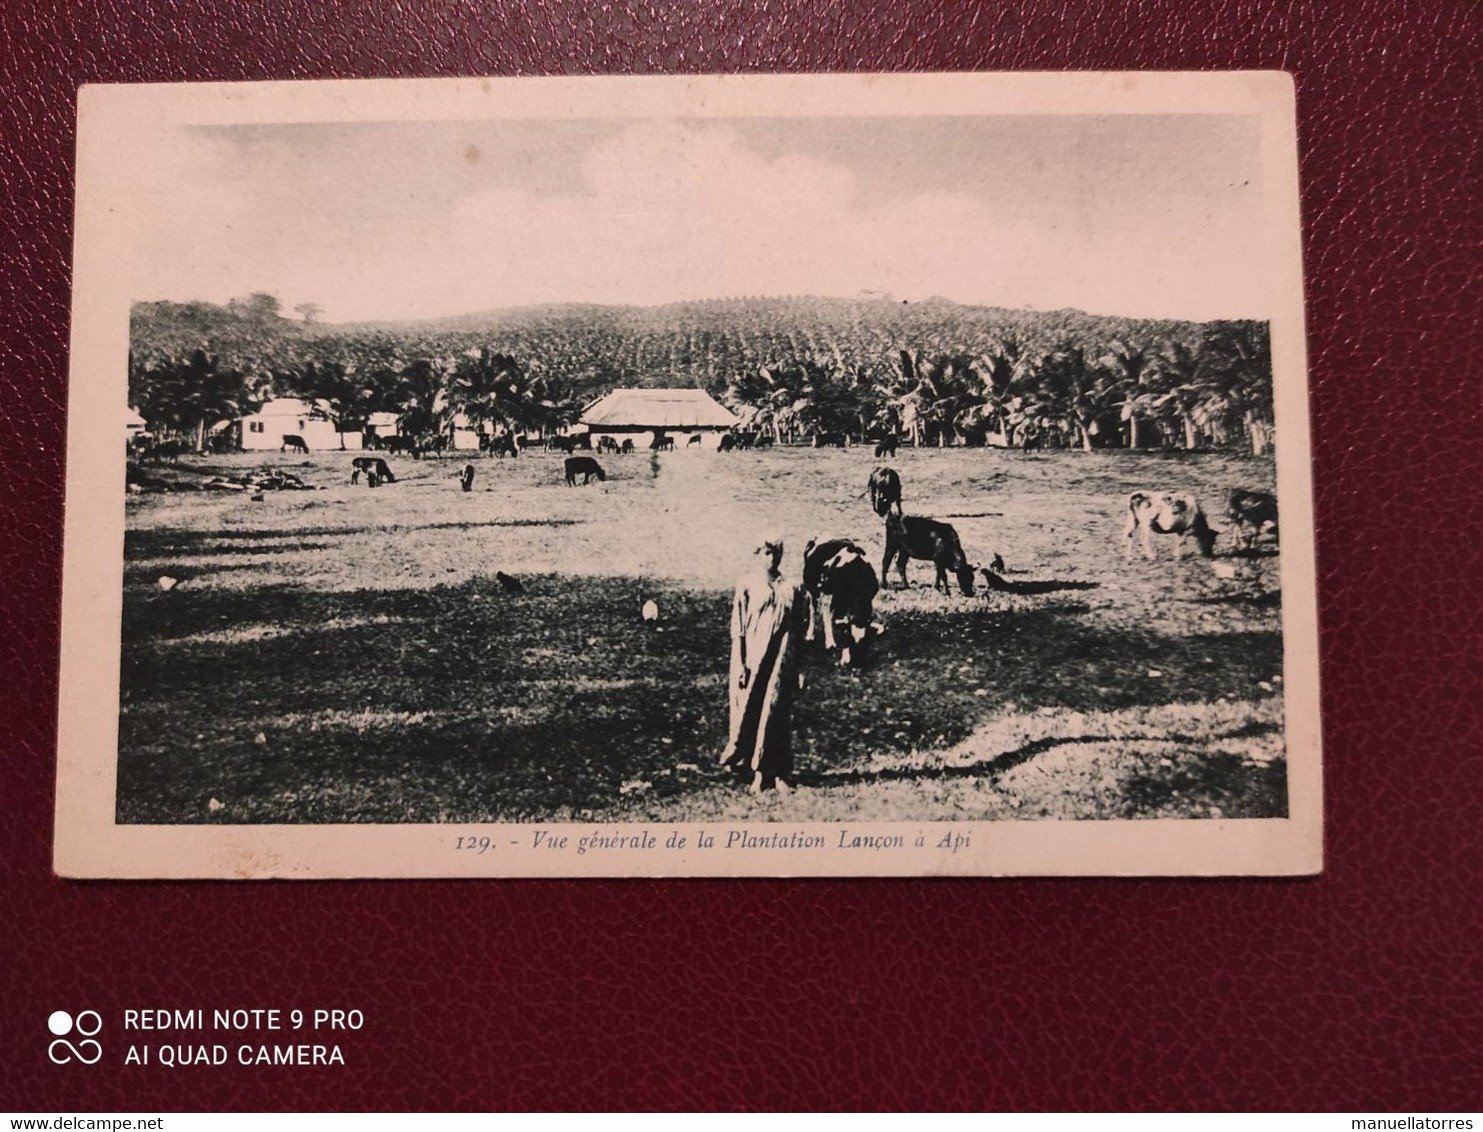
936 372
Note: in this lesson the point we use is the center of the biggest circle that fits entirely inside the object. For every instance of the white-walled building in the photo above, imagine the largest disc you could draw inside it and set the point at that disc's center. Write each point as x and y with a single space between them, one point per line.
465 435
289 416
382 425
635 414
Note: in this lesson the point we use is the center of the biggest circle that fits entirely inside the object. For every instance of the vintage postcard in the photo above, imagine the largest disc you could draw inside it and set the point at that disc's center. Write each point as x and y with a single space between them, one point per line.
852 475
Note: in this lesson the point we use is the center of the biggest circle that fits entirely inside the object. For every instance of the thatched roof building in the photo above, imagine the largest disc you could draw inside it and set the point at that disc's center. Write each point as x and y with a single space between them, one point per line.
647 410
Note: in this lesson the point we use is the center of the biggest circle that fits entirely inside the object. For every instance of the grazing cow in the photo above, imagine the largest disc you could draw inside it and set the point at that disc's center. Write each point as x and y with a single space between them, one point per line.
374 468
727 443
694 441
626 448
841 584
562 444
909 536
584 466
830 440
607 444
1252 513
466 477
1175 513
885 446
395 444
885 491
296 443
163 452
763 441
662 443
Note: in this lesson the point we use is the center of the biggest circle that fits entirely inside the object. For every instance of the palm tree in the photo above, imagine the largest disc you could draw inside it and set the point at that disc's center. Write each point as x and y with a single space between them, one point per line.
1197 405
1130 368
771 396
551 403
908 399
1237 358
186 395
1002 369
487 387
1077 395
349 395
421 398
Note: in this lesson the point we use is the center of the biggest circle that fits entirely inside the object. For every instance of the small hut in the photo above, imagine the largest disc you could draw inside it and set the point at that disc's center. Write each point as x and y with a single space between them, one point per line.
637 414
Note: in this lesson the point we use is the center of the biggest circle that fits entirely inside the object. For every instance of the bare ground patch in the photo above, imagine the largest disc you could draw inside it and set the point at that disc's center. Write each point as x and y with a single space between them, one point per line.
346 654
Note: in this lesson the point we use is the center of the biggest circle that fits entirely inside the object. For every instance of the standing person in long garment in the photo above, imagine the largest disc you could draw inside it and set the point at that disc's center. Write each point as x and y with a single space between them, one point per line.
766 623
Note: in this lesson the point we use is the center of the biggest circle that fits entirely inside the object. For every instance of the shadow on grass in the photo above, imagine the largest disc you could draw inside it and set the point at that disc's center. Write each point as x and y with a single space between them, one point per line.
1008 760
1013 586
163 541
469 526
464 703
1266 599
175 544
1251 552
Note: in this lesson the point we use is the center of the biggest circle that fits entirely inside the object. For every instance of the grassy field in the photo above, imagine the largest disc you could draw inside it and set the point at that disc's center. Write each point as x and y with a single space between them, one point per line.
346 654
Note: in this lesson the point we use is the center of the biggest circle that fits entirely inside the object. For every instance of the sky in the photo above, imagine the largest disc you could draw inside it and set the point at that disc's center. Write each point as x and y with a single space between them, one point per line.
1137 215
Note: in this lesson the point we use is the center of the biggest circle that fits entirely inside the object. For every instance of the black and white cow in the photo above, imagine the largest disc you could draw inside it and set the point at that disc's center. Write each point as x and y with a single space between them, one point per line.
374 468
1170 513
840 583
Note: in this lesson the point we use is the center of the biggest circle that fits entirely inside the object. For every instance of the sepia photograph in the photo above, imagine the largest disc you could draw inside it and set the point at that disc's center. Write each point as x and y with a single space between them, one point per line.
864 475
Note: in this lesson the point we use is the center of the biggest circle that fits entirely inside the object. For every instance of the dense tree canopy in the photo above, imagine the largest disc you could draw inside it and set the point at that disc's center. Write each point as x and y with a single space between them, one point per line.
934 372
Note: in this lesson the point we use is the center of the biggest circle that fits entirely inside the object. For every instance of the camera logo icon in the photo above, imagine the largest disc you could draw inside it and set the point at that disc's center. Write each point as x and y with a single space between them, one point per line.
86 1049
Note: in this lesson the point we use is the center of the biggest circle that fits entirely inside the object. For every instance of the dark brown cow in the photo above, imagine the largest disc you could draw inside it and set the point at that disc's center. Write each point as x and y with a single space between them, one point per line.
1252 513
163 452
910 536
584 466
297 443
885 491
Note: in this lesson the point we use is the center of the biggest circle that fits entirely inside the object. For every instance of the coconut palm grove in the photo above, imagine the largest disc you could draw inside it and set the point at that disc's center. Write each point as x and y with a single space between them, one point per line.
935 373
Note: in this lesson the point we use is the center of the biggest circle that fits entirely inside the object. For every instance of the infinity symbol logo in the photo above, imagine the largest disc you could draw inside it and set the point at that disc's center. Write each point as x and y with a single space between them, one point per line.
86 1050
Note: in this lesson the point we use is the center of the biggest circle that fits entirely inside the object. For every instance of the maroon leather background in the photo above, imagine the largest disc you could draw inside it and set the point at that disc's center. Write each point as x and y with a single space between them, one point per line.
1362 989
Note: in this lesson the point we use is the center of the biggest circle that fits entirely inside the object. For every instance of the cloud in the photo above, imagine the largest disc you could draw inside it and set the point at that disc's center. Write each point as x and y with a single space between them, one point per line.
393 222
